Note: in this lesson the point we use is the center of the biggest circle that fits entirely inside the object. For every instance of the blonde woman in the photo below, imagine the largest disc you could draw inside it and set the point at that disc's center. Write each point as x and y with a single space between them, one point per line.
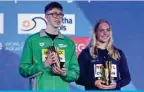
93 58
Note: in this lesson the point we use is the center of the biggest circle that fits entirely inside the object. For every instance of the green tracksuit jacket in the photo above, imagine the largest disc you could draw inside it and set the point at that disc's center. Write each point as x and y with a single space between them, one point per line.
35 53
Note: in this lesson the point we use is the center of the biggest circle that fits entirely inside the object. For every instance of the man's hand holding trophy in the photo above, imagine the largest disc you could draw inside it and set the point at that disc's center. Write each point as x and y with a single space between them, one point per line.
54 60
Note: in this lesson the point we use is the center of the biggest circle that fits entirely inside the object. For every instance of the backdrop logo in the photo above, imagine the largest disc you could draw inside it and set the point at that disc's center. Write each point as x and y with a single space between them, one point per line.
32 23
1 23
1 46
13 46
68 24
81 43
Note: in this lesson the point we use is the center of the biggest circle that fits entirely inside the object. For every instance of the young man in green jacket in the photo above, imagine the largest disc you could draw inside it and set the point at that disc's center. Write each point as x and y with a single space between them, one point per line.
38 65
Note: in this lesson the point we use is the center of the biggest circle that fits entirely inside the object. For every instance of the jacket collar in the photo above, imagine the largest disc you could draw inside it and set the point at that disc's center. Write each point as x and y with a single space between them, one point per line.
43 33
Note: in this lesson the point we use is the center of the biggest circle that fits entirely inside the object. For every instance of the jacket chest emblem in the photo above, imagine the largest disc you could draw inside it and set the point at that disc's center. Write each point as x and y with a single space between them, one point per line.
41 44
62 45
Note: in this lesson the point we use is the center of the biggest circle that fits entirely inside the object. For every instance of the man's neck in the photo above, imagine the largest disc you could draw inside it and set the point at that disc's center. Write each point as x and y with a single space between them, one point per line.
51 30
101 45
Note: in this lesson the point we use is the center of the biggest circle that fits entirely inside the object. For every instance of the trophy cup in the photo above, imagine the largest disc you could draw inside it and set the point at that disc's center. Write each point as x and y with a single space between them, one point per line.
106 72
52 49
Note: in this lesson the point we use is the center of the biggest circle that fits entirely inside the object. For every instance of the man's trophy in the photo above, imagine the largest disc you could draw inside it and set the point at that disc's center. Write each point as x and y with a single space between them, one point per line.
52 49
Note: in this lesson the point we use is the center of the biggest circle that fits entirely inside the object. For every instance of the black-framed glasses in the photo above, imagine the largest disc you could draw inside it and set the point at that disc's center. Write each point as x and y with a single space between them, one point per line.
56 15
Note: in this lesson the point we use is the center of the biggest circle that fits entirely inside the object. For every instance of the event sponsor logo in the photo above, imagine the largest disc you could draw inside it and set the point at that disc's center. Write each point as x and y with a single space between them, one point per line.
80 42
1 23
32 23
13 46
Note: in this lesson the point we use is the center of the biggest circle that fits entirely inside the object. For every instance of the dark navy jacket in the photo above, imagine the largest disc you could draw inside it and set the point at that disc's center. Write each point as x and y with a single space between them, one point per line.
86 63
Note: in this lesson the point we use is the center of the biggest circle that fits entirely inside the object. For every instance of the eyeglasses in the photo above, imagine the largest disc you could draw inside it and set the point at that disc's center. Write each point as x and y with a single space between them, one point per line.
55 15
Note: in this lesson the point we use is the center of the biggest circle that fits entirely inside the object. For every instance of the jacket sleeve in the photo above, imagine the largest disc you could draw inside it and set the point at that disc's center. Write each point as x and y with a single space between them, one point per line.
84 64
73 67
124 72
27 68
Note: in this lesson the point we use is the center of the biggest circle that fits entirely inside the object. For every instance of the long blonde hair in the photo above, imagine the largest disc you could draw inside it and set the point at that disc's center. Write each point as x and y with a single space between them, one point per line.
110 47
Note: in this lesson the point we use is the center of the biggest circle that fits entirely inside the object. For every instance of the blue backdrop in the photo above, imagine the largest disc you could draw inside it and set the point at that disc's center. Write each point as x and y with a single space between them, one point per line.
126 19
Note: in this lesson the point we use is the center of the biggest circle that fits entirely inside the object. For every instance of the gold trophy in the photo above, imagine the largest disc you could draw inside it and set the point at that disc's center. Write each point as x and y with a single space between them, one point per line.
106 72
52 49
